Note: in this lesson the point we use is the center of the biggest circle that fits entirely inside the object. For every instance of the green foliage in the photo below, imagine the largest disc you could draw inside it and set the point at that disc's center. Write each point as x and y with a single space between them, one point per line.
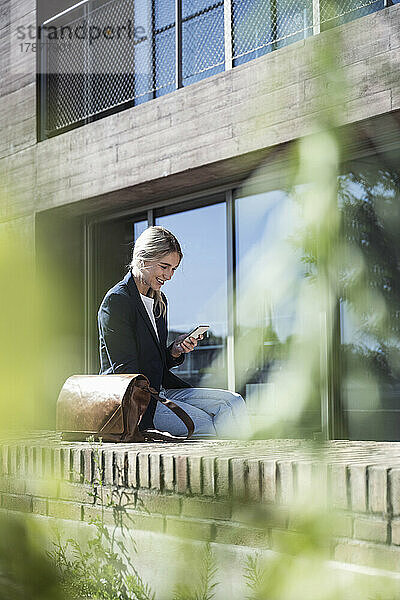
102 571
25 571
205 588
255 578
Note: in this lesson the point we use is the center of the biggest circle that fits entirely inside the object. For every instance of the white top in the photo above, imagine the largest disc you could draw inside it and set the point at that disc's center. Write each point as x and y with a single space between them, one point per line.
149 304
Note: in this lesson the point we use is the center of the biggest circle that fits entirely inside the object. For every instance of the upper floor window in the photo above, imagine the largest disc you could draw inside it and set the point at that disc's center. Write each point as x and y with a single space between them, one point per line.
101 56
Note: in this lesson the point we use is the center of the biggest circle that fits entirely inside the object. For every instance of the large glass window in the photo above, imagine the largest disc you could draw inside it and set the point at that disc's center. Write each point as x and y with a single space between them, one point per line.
197 294
364 374
369 195
269 272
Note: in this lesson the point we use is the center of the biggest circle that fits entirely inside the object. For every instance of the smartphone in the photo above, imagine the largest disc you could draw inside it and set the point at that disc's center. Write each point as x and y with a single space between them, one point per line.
199 330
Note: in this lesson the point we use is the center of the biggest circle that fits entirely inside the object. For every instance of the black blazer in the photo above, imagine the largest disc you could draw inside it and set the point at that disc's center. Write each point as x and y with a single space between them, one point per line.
128 342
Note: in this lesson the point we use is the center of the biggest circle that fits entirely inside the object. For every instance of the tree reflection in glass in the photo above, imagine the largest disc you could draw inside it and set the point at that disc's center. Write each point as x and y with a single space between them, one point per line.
370 301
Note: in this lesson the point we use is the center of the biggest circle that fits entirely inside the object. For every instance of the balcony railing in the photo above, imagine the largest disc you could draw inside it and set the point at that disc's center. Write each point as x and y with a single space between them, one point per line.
102 56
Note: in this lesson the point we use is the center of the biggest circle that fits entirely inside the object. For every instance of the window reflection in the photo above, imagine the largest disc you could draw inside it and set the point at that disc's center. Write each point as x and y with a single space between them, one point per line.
268 281
369 197
138 228
366 378
197 294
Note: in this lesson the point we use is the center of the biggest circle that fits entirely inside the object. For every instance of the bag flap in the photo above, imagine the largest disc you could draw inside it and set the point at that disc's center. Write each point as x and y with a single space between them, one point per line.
92 403
115 423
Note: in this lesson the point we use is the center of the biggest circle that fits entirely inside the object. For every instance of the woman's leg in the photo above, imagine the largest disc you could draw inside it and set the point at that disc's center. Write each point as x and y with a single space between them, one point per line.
166 420
227 409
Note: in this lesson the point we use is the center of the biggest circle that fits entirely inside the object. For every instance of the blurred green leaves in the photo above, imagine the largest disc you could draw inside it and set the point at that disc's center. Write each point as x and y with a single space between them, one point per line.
26 573
18 326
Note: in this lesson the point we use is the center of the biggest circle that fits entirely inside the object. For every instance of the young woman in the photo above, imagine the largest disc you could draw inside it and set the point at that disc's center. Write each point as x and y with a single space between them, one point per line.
133 339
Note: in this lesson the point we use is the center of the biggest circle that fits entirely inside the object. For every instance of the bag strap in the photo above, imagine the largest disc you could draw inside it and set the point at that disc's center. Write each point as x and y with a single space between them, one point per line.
164 435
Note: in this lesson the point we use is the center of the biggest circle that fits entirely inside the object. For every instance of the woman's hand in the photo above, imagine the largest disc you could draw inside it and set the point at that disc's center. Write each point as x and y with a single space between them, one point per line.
184 344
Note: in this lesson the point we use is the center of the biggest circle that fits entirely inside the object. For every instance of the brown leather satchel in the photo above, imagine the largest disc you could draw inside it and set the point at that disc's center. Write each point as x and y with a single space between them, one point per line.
111 407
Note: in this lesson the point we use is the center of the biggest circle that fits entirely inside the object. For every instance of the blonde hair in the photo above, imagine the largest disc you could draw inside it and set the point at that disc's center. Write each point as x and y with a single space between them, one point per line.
151 246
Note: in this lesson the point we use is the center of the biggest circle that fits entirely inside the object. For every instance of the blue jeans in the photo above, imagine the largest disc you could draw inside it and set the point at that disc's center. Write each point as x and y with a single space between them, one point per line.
215 413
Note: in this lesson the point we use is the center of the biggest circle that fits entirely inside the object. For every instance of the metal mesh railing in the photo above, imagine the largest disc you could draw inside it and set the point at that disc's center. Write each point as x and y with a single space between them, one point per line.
112 54
203 43
98 59
332 14
164 47
66 88
105 55
260 26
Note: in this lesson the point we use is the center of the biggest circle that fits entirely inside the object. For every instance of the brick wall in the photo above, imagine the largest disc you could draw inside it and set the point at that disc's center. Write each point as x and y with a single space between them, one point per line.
225 492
